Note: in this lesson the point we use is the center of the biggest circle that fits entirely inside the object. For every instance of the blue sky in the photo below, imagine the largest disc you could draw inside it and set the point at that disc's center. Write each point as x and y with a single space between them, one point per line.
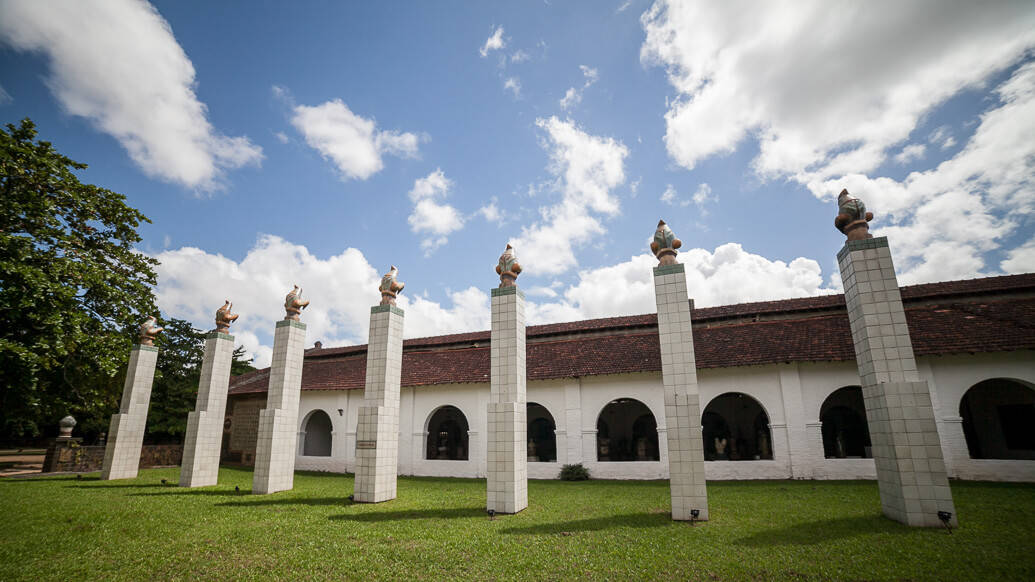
318 144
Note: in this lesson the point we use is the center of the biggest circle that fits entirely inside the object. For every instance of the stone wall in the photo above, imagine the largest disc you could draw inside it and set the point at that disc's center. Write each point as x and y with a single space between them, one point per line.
71 457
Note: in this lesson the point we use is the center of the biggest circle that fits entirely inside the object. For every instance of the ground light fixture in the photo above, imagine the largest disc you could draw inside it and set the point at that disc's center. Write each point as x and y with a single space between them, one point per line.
945 516
492 514
694 514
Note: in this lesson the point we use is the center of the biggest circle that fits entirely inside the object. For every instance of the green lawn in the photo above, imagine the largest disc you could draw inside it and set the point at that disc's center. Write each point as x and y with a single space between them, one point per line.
66 529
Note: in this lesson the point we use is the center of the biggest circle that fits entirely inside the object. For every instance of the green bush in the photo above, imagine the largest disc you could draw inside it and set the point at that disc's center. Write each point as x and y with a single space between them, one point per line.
574 473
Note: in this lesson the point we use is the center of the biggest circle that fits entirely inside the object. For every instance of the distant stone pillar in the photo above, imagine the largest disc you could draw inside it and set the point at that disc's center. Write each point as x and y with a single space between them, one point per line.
126 431
679 376
277 436
201 447
377 434
507 460
911 471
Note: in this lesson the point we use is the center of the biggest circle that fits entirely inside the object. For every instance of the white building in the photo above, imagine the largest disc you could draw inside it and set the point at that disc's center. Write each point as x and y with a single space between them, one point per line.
777 379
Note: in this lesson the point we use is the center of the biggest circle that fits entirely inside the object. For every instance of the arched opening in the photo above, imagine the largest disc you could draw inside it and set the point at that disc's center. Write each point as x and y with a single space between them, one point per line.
845 432
317 435
736 428
999 420
627 431
447 435
542 440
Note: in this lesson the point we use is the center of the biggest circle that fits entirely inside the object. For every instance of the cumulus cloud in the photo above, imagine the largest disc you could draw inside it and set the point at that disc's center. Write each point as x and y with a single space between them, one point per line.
1020 259
671 197
352 142
727 275
5 97
520 56
430 217
117 64
573 96
491 211
846 82
586 169
193 283
846 91
513 84
495 42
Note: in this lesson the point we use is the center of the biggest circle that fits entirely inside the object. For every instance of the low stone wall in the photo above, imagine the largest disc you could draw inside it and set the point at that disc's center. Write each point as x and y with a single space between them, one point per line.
71 457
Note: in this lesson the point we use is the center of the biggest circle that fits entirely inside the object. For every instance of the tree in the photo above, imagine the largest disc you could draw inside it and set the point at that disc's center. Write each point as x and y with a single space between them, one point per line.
71 287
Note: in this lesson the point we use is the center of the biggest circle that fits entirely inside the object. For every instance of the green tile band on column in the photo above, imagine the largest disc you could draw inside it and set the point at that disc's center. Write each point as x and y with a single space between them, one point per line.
219 335
141 348
668 269
501 291
384 308
291 323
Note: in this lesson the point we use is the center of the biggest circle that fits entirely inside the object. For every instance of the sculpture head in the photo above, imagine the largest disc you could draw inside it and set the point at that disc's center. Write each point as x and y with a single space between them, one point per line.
293 304
665 244
390 287
852 218
508 268
149 330
224 318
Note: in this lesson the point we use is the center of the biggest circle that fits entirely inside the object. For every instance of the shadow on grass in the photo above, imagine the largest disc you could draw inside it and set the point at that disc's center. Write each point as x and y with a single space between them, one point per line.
48 478
177 490
257 501
101 486
450 513
817 532
631 520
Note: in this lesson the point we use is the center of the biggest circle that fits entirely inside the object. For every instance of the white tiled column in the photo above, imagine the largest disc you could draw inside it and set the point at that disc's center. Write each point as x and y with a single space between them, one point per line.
507 461
377 434
910 467
126 432
682 399
278 423
200 466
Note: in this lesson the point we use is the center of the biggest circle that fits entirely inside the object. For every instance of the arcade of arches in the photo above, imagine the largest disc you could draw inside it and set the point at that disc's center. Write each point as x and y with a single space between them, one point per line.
447 435
542 437
627 431
999 420
736 428
845 432
317 435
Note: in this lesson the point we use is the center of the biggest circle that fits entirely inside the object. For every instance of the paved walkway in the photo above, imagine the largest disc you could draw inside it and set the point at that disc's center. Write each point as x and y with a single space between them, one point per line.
21 463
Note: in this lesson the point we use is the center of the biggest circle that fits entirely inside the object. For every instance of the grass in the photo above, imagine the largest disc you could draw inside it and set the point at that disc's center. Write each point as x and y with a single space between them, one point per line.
65 529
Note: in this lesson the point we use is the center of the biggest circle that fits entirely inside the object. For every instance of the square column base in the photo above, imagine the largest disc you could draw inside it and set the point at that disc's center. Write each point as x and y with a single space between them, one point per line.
275 451
377 454
686 458
911 473
122 455
200 465
507 460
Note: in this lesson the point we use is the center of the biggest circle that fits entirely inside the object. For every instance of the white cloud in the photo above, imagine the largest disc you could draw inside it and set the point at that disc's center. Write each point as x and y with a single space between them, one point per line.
942 221
493 43
703 195
520 56
910 153
823 87
193 283
118 64
430 217
942 137
725 276
671 197
282 137
623 6
573 96
513 84
1020 259
353 143
586 168
5 97
491 212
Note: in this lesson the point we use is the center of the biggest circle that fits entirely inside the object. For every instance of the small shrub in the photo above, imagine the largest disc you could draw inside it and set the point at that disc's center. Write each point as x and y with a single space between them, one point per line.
574 473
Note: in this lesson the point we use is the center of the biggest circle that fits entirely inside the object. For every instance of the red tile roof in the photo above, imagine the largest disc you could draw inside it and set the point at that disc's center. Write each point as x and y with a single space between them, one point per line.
940 322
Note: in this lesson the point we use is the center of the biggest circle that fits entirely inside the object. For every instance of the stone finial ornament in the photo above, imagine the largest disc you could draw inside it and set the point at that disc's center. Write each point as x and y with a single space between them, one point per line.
665 244
149 330
224 318
390 287
852 217
508 269
293 304
65 426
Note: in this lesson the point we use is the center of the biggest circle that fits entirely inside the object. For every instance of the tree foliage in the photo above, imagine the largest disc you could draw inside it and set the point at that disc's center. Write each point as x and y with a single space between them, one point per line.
71 287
